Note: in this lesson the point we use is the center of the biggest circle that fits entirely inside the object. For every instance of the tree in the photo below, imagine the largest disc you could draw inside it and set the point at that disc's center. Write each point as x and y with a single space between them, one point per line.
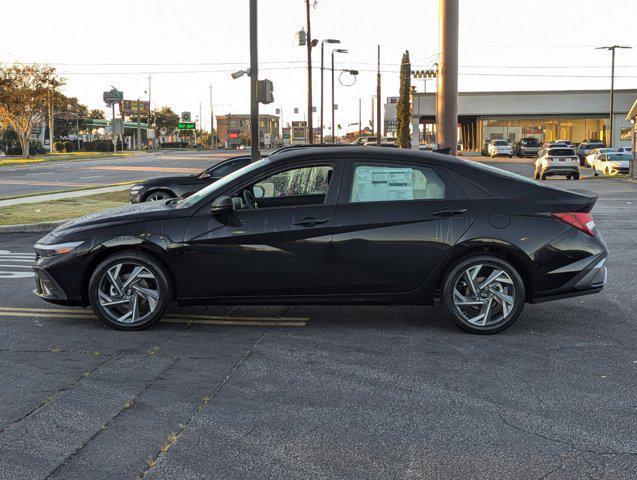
96 114
165 120
25 91
68 114
403 111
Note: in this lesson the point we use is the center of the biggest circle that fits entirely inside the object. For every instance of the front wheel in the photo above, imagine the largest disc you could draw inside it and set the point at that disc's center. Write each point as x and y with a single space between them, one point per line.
484 294
130 290
158 196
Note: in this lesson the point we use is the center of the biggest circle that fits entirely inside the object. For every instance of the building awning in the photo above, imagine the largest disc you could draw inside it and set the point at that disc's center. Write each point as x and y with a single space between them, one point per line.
99 123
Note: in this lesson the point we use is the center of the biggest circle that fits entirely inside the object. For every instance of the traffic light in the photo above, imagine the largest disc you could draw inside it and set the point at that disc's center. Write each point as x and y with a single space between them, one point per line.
265 90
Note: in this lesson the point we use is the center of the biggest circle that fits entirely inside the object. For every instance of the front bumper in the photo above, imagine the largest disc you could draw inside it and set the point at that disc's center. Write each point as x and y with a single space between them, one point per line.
47 288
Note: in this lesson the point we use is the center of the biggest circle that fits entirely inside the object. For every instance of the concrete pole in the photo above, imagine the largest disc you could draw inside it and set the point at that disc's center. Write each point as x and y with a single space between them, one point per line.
310 126
447 99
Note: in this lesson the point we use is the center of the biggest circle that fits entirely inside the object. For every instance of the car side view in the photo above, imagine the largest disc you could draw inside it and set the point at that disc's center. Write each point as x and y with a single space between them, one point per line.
334 226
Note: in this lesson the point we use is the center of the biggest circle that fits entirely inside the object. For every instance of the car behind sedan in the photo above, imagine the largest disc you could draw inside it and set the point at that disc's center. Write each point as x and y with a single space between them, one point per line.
344 225
556 160
500 148
612 163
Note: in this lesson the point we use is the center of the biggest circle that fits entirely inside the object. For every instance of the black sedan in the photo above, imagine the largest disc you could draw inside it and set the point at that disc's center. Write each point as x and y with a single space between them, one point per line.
164 188
334 226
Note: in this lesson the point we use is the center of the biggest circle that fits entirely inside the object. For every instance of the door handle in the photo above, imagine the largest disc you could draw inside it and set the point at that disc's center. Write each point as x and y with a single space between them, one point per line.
450 212
311 221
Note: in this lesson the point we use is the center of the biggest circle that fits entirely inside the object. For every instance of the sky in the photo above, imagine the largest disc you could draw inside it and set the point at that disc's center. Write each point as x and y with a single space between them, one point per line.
186 46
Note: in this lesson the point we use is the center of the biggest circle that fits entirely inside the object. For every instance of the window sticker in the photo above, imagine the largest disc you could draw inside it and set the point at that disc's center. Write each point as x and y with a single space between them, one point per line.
374 184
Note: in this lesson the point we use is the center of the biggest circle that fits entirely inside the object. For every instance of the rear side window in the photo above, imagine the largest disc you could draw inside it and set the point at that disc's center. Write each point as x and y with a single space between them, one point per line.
374 183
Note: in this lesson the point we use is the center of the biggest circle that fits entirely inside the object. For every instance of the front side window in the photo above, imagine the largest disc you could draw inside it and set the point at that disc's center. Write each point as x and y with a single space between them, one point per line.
372 183
297 182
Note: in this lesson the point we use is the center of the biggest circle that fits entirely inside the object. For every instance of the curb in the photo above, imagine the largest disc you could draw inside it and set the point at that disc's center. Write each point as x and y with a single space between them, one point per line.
31 227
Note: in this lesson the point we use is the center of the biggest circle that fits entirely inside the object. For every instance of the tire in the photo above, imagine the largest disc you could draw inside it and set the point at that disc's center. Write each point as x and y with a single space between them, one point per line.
575 176
152 277
595 172
535 175
158 195
510 156
607 172
542 175
500 316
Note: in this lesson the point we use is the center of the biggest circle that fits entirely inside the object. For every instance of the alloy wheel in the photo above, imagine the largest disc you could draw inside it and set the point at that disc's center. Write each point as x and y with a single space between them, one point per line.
128 292
484 295
155 197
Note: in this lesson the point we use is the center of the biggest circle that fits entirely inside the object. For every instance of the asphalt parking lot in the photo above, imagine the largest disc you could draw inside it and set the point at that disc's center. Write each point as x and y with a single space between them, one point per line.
325 392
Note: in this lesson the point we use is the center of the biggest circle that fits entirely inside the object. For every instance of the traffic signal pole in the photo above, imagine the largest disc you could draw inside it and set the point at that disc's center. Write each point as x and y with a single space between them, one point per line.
254 78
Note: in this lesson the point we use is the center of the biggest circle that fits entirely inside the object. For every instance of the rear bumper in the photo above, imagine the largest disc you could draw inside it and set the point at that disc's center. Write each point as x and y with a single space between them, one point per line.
562 170
591 278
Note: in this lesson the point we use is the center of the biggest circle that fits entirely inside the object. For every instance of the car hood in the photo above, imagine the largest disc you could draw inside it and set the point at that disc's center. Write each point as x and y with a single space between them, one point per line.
138 212
154 182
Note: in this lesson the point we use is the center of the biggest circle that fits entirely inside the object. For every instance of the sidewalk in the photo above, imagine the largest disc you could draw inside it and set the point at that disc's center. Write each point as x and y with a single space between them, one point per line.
61 195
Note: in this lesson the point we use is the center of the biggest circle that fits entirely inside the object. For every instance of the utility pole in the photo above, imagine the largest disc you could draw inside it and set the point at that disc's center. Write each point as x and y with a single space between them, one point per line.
336 50
373 115
310 129
149 114
212 121
51 126
323 42
612 48
200 120
447 99
139 129
360 125
378 100
254 78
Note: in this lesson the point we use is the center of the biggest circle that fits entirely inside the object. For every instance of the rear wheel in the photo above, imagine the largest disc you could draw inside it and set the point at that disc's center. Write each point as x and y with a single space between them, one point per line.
484 294
130 291
575 176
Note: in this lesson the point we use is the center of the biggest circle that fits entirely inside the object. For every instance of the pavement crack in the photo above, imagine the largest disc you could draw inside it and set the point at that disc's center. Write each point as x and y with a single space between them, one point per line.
127 406
562 442
173 438
57 393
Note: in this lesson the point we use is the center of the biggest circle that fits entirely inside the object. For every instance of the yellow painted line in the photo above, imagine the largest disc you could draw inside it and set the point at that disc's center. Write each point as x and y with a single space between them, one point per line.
145 169
37 309
6 313
231 321
246 319
42 184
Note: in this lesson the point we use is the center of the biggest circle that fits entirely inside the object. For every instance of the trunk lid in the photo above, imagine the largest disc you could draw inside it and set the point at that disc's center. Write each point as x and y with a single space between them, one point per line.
574 200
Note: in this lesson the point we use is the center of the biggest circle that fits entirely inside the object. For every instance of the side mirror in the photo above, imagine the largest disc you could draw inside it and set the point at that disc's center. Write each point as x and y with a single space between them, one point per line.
222 204
259 191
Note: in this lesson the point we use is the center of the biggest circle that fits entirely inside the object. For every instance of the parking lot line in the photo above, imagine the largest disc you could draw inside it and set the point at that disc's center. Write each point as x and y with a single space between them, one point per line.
186 319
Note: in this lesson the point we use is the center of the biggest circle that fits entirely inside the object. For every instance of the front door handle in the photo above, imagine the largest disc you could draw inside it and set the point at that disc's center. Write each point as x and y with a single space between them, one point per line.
311 221
450 212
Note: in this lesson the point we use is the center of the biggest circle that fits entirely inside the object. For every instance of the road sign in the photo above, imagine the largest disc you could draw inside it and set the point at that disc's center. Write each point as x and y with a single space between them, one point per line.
118 126
185 116
134 107
186 126
113 96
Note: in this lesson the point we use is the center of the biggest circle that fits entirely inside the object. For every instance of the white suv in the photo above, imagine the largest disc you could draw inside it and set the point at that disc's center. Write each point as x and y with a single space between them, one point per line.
557 160
500 147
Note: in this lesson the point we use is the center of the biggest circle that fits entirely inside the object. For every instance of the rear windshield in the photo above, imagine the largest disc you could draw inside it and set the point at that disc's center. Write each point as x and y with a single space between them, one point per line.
531 142
500 142
561 152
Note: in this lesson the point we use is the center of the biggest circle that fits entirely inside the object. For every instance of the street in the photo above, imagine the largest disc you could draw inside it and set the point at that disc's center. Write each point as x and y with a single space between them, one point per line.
323 392
68 175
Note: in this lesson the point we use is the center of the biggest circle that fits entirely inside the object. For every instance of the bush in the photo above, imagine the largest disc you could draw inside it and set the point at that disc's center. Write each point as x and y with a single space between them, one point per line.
101 146
35 148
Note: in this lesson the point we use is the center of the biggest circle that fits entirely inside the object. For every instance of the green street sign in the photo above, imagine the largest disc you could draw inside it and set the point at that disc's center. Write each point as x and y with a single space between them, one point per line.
186 126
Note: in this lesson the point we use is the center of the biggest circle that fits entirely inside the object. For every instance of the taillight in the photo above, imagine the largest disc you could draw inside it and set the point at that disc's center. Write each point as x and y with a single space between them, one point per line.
581 221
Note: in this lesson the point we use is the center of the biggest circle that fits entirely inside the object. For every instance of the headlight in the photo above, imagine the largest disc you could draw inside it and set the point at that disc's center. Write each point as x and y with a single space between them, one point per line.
136 188
56 249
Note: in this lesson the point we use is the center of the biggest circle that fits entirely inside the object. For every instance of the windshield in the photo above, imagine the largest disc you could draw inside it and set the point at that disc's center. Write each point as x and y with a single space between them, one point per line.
500 142
204 192
619 156
592 146
560 152
531 142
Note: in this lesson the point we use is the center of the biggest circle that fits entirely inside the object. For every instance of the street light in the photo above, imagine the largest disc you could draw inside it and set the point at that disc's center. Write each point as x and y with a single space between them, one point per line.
327 40
612 48
336 50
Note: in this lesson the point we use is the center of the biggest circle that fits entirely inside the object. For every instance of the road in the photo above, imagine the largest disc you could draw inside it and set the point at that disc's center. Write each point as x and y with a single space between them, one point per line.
325 392
67 175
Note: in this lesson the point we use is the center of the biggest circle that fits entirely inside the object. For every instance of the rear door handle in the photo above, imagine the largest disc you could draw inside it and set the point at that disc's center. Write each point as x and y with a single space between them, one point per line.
450 212
311 221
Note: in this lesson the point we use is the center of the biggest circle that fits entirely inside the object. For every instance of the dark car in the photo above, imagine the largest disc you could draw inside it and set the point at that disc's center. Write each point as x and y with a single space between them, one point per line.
527 147
164 188
584 148
346 225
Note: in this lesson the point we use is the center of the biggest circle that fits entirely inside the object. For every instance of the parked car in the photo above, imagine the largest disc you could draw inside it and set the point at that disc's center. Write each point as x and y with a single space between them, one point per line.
568 143
612 163
591 157
341 225
584 148
527 147
500 147
382 144
557 160
164 188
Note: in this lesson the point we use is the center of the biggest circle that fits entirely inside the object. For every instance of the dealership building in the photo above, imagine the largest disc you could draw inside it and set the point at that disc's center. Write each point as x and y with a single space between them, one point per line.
574 115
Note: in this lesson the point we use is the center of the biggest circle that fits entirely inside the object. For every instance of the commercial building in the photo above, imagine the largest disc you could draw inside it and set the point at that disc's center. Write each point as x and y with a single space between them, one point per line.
631 136
573 115
234 130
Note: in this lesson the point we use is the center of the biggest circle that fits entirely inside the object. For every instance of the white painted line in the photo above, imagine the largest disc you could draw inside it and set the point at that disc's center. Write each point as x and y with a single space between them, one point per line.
15 266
